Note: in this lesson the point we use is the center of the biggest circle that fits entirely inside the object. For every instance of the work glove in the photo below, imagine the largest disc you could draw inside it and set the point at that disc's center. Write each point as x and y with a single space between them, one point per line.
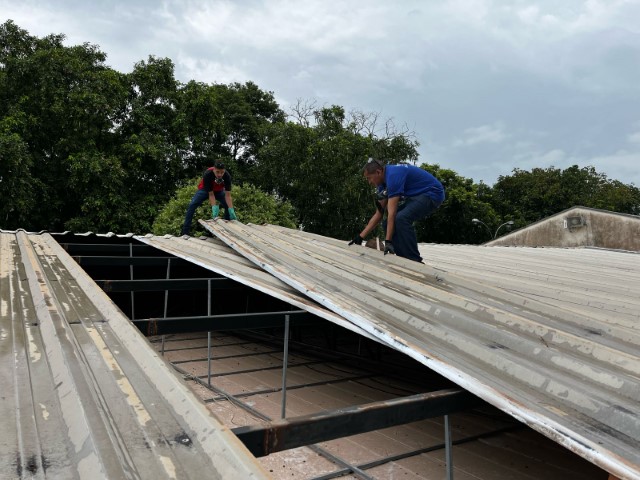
357 240
232 214
215 210
388 247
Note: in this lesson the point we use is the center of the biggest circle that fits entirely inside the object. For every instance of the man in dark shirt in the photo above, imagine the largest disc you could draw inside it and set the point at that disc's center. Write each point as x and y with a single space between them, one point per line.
216 186
407 193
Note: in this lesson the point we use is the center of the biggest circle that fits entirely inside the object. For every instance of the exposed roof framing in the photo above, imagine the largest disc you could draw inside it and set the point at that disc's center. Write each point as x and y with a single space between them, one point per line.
319 427
215 256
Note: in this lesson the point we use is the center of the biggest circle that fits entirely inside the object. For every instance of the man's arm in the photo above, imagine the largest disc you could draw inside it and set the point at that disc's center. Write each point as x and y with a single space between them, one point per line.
373 223
392 209
227 197
375 220
212 198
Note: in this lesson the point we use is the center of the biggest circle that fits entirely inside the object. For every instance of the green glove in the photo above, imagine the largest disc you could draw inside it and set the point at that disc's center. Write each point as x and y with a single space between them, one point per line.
215 210
232 214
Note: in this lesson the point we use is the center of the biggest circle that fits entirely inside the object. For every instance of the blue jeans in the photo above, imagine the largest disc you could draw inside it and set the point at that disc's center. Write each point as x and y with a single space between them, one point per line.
404 235
198 199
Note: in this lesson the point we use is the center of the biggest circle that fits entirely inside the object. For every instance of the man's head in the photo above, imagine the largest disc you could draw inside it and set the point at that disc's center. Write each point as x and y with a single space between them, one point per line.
218 171
373 171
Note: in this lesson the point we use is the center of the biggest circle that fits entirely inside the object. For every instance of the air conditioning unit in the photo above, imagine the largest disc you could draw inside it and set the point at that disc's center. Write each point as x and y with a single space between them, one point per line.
574 222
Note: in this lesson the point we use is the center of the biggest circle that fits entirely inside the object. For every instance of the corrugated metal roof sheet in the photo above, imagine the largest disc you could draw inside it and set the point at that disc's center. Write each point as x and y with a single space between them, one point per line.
602 284
569 370
83 393
215 256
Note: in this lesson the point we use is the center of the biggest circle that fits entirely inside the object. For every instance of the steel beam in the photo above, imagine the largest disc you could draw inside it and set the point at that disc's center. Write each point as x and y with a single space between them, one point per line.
231 321
160 284
119 261
116 248
295 432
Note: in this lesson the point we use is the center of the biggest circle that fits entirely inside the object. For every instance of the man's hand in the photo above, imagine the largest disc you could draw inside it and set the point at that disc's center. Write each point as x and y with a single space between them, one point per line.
357 240
232 214
388 247
215 210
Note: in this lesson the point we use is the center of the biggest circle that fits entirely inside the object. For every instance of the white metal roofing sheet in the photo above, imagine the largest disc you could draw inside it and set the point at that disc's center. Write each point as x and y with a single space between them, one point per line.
570 373
83 393
217 257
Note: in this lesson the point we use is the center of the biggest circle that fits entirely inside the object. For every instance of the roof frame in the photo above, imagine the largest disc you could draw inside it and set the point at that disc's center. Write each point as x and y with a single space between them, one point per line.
285 434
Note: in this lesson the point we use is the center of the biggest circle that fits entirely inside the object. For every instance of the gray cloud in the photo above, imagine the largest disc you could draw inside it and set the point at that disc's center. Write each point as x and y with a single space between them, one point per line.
487 85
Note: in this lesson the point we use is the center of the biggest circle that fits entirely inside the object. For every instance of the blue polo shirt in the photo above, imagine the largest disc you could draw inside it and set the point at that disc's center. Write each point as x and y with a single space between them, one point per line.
411 181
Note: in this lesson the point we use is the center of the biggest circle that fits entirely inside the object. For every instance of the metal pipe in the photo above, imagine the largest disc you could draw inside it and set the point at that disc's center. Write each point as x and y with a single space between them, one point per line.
349 467
293 387
166 292
224 393
133 316
209 358
284 366
209 334
448 448
262 369
413 453
198 318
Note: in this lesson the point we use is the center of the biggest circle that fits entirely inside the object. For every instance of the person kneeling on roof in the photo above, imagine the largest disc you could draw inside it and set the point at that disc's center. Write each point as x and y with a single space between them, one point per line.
407 193
216 186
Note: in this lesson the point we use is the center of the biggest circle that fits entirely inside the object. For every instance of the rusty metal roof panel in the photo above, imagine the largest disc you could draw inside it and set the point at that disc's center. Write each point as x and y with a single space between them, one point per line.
83 393
217 257
570 372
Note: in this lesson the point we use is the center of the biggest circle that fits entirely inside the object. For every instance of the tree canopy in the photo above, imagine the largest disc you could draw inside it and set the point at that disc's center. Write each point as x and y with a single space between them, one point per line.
528 196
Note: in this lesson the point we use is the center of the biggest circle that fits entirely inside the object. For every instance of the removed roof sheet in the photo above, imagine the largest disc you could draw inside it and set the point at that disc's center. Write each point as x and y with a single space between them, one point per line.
573 376
83 393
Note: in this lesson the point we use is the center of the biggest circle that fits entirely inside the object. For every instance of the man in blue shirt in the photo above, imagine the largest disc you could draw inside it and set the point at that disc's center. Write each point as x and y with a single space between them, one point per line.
408 193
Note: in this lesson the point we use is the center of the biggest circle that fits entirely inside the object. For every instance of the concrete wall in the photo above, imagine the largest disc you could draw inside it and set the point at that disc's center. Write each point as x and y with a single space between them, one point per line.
579 227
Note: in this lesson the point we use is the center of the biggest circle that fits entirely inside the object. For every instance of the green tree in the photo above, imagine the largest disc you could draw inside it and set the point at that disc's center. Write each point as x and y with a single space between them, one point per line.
226 121
99 181
252 206
618 197
152 138
528 196
248 112
59 102
17 187
319 169
201 111
464 201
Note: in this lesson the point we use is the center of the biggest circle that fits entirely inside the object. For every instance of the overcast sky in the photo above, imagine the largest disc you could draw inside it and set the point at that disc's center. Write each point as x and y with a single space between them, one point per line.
487 86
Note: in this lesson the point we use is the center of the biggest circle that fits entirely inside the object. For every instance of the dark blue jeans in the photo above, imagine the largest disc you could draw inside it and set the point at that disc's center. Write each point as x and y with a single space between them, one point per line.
404 235
198 199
